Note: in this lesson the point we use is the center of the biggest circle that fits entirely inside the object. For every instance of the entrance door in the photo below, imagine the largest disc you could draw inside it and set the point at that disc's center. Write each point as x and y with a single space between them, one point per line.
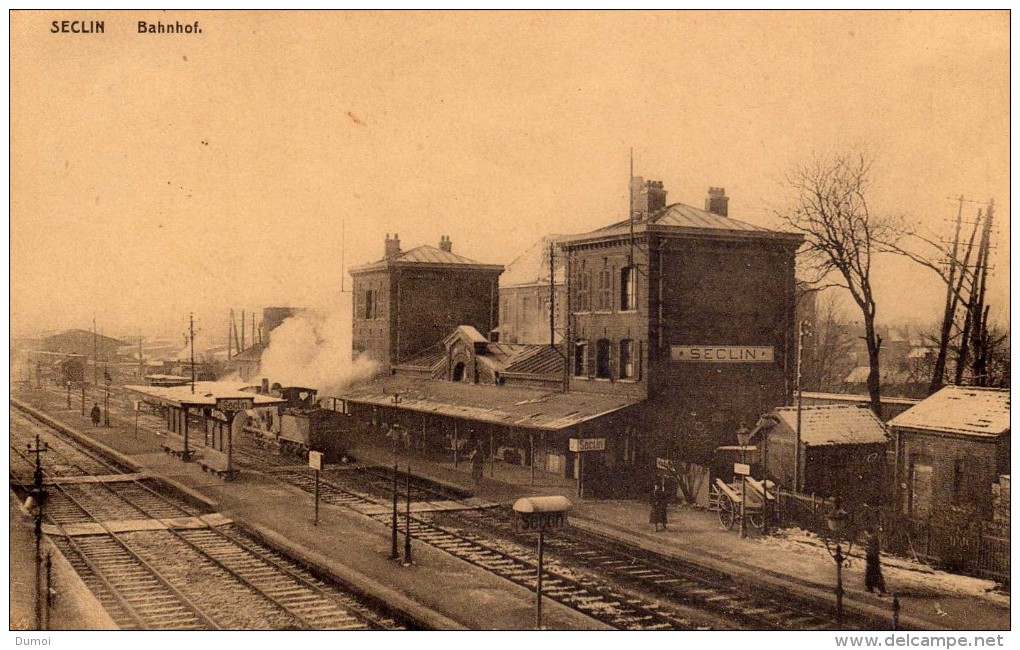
920 490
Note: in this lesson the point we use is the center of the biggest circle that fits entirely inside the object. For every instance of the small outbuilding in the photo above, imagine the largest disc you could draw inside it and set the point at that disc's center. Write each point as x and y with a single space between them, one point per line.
841 451
951 449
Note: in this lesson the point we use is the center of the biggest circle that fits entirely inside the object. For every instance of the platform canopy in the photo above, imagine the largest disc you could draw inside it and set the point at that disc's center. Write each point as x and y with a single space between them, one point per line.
502 405
205 395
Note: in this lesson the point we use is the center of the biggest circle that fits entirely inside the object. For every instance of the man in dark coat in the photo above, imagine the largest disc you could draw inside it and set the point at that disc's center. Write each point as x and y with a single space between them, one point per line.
97 415
873 565
477 464
658 510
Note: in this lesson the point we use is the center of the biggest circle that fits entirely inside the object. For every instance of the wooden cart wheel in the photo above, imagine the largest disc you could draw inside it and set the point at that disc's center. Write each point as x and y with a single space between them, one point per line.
727 512
756 519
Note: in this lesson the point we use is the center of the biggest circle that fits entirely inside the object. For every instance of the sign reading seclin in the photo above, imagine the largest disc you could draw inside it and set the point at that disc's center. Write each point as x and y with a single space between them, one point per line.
722 353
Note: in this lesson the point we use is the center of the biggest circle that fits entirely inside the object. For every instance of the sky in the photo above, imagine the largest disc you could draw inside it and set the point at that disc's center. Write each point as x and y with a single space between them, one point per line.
156 175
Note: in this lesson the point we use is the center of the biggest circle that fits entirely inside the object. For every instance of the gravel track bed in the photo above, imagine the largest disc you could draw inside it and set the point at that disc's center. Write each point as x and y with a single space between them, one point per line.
220 595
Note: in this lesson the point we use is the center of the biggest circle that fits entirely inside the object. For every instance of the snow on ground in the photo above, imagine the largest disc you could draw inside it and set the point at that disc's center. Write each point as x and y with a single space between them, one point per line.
901 574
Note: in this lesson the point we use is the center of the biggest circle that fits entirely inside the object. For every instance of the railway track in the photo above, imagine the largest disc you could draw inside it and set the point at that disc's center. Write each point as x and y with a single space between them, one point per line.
620 585
203 578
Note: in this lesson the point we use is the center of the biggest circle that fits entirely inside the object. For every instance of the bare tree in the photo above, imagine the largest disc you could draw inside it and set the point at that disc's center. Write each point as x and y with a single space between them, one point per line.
827 357
830 206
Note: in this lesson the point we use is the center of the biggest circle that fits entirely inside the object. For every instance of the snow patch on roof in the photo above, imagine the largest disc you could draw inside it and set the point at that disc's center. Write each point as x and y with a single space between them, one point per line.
960 409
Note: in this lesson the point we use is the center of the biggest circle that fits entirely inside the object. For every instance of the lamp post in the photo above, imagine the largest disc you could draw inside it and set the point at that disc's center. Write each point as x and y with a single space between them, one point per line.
68 396
804 330
837 520
394 435
407 517
743 437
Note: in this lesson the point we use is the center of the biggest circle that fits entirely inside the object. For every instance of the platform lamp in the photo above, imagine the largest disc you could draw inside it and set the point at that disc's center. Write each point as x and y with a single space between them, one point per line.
743 438
34 504
394 435
838 522
106 411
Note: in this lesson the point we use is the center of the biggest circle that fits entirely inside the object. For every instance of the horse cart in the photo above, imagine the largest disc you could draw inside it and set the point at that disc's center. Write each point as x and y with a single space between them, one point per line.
731 504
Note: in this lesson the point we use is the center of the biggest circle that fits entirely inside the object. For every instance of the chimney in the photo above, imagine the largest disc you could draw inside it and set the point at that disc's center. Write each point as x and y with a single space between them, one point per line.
392 247
656 196
265 386
445 244
717 202
646 197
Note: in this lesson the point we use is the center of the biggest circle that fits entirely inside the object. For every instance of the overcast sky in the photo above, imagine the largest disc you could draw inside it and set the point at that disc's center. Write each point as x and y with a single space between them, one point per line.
156 174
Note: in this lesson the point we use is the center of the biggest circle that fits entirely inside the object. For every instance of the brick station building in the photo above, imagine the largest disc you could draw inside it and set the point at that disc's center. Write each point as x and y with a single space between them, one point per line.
679 330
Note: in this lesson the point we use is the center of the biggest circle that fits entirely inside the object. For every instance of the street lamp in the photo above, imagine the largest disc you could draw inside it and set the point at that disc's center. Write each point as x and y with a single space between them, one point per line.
106 411
743 437
837 521
394 435
34 504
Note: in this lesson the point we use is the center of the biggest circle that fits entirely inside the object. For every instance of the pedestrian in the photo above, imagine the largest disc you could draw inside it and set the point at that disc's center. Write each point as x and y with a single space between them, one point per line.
657 513
477 464
873 565
663 506
97 415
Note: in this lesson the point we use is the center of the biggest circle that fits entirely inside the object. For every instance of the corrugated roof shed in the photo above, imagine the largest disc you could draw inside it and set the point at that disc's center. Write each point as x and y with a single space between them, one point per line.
834 425
960 409
504 405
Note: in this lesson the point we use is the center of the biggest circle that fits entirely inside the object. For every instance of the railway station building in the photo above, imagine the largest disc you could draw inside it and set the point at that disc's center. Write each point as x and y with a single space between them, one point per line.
678 330
408 301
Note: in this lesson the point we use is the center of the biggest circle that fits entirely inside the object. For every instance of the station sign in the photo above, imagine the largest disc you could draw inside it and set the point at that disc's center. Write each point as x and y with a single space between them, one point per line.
540 514
722 354
315 460
228 404
587 444
741 469
664 463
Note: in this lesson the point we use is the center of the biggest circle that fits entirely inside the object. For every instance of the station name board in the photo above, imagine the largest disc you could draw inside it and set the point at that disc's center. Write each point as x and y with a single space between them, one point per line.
722 353
227 404
587 444
540 521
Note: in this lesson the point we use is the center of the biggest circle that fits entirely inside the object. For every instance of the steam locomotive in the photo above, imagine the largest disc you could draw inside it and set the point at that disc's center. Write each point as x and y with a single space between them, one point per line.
299 424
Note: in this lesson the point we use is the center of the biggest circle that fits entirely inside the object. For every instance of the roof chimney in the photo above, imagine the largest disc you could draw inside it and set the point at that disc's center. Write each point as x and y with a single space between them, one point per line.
646 197
392 247
717 202
445 244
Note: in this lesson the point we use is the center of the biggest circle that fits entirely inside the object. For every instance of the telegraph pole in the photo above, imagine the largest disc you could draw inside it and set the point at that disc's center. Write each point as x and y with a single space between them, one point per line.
35 503
802 332
191 334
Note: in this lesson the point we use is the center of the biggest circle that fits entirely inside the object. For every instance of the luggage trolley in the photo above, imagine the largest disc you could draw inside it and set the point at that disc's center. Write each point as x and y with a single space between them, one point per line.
726 499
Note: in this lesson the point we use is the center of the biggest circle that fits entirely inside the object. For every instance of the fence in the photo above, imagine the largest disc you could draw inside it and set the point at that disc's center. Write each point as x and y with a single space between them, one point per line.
958 544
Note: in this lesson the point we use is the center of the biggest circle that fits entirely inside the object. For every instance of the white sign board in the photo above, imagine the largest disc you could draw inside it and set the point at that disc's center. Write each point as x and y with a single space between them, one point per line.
740 469
227 404
663 463
587 444
315 459
722 354
138 405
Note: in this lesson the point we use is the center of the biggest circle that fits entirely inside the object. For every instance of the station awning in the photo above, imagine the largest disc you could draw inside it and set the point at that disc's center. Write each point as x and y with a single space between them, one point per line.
205 395
503 405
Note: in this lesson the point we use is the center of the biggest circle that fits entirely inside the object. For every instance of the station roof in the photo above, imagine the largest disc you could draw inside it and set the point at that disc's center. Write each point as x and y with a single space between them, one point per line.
206 393
682 219
427 256
501 405
967 410
834 425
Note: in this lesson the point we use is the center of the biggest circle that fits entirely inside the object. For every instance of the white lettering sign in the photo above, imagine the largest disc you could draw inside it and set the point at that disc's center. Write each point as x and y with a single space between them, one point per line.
226 404
587 444
722 353
315 459
740 469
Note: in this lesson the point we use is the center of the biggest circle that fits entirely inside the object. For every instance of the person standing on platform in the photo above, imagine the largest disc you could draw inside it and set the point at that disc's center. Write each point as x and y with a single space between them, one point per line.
873 564
658 508
97 415
477 464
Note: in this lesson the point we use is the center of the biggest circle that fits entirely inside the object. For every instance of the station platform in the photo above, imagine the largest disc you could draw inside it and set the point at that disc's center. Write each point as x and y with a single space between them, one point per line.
437 585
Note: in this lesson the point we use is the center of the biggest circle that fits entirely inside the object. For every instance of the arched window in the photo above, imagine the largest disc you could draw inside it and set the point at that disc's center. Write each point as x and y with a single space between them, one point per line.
458 371
628 297
627 359
603 352
581 358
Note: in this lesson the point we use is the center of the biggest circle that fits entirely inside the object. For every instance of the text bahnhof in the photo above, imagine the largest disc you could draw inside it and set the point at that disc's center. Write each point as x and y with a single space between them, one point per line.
143 27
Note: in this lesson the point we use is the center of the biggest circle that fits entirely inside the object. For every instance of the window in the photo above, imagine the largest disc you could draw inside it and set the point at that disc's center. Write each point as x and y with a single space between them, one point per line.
584 291
627 284
604 298
960 471
627 359
603 351
581 358
369 304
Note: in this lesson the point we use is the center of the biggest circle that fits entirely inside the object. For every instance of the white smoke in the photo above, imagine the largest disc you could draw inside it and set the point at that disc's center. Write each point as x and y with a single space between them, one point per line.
313 349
